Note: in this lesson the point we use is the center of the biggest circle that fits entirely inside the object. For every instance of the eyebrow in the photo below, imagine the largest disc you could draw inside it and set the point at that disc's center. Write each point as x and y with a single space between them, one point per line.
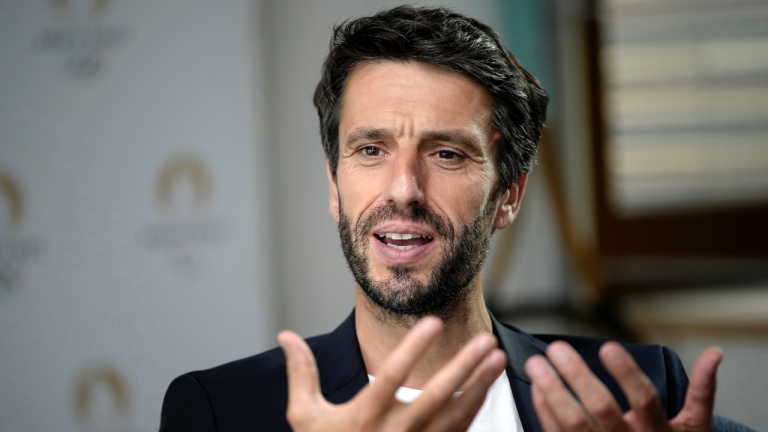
463 139
451 136
367 134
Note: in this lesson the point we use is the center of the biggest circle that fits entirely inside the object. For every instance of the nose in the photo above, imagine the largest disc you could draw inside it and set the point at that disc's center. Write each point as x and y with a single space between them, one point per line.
405 188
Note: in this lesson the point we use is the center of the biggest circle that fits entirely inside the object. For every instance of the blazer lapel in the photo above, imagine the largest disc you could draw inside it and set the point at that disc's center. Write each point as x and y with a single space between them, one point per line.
519 346
342 370
340 363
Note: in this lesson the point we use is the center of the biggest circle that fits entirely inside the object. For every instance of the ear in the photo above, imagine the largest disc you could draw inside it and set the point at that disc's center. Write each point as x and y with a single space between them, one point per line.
333 194
509 204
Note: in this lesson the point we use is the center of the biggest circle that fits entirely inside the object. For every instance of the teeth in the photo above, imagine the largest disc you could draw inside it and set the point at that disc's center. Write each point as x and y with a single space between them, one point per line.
402 248
398 236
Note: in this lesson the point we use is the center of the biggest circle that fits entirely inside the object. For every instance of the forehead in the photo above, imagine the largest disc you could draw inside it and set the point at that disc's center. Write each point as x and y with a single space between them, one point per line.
413 95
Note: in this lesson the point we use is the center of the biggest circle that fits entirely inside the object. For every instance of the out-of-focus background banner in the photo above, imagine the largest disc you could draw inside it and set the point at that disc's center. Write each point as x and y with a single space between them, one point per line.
132 245
163 202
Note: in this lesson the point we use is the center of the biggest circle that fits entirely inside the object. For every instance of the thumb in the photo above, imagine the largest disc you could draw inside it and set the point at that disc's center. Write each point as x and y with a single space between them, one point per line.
303 381
700 399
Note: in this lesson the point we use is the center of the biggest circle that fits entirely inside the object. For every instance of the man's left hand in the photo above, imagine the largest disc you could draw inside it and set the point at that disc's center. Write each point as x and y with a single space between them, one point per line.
596 409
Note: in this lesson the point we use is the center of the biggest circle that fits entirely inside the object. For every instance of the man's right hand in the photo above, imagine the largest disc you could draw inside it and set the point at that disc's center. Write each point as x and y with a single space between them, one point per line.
375 408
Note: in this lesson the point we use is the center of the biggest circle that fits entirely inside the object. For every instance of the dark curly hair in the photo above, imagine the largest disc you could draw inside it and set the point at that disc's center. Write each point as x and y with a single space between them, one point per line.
443 38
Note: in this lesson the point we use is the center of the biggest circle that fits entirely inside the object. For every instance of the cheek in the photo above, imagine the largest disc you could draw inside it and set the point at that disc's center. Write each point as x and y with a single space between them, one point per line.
359 189
462 197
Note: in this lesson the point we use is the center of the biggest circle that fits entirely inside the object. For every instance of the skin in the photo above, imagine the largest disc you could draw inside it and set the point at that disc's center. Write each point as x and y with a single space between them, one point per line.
433 146
559 411
403 166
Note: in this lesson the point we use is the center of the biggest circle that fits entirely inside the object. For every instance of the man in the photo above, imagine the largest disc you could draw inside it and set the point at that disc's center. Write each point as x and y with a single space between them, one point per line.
430 127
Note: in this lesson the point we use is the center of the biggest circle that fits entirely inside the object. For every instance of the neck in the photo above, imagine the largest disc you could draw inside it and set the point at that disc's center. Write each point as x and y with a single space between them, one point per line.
379 333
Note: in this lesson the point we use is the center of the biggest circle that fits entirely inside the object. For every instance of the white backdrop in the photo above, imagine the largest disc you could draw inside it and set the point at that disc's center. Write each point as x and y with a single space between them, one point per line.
132 229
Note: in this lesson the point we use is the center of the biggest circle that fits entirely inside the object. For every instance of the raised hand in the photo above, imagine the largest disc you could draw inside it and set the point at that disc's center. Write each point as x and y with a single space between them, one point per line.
559 411
375 408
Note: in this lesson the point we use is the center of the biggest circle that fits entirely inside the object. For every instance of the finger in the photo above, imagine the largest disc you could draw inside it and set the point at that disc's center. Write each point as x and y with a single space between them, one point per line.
449 379
303 381
639 390
398 365
460 412
700 399
565 410
544 411
592 393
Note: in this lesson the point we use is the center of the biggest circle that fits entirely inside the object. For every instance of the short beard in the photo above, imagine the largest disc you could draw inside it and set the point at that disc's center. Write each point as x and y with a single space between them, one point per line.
401 297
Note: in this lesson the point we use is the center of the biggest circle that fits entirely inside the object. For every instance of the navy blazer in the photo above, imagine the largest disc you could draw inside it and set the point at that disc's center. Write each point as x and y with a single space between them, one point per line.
252 394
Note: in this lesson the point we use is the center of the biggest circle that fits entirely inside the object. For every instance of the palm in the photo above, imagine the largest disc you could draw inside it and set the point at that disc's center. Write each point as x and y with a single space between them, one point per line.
375 408
559 411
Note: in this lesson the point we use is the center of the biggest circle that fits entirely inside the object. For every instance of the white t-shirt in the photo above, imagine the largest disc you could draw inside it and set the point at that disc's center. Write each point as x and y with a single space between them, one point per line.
498 413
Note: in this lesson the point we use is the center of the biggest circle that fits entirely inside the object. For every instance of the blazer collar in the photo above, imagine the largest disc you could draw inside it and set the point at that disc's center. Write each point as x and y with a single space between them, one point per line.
518 346
339 359
342 369
340 363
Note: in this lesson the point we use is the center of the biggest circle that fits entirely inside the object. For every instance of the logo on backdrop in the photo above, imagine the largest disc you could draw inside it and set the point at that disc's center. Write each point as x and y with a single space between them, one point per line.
13 199
183 198
81 9
82 40
178 169
101 399
17 250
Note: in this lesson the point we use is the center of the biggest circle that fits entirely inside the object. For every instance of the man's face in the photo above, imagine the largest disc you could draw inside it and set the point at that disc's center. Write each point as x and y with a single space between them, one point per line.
414 180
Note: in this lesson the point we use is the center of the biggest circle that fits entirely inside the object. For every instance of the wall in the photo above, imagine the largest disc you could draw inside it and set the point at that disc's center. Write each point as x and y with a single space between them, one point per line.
132 230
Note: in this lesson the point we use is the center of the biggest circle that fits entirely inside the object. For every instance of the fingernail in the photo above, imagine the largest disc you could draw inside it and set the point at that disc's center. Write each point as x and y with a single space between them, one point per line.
428 327
283 340
498 359
614 356
722 354
559 353
482 344
286 348
536 369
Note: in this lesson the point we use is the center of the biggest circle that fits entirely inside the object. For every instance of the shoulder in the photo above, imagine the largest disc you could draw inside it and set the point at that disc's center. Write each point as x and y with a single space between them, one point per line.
258 373
233 396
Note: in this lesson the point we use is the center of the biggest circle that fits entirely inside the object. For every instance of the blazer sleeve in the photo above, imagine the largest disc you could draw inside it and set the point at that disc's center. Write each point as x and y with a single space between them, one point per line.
186 407
677 382
721 424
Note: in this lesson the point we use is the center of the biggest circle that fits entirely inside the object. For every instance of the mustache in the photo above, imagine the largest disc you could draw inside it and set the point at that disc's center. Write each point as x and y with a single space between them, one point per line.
424 215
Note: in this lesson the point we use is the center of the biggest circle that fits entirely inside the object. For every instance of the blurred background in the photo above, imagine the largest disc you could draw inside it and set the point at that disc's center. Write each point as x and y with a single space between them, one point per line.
163 199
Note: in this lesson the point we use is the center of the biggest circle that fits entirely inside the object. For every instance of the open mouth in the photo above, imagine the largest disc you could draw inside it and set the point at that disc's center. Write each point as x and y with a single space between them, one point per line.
402 241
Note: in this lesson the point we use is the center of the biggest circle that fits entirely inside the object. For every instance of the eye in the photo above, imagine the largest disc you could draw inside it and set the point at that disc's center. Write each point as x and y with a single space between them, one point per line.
445 154
371 151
